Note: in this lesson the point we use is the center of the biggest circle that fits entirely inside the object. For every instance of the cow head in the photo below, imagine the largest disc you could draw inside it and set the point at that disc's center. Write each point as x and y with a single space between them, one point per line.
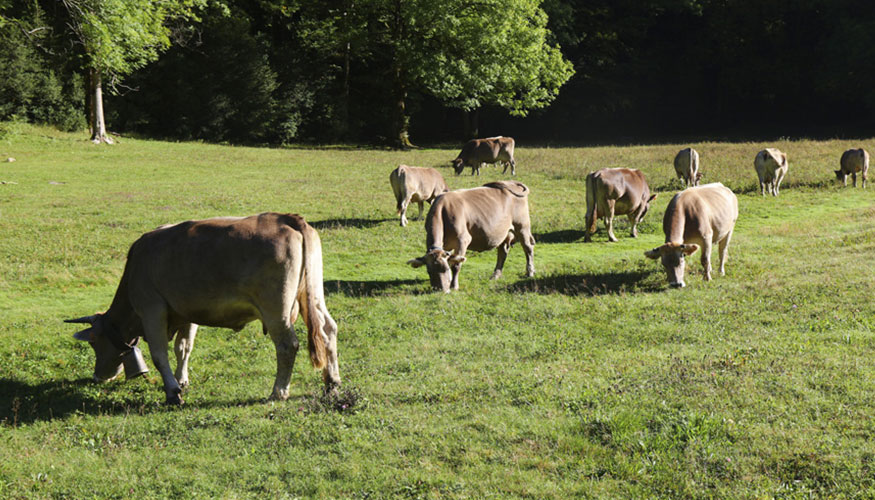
111 354
458 165
672 256
438 263
840 175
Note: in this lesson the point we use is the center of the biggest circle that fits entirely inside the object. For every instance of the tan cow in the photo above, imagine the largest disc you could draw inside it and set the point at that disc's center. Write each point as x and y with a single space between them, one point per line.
853 161
495 215
686 166
222 272
771 166
490 150
415 184
616 191
698 216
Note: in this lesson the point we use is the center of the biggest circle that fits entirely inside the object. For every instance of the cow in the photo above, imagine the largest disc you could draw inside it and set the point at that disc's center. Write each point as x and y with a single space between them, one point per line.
490 150
853 161
616 191
686 166
495 215
223 272
698 216
771 166
415 184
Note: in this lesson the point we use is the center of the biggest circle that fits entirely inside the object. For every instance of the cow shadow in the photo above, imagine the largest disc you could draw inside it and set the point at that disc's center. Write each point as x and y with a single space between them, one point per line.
591 284
367 288
348 223
562 236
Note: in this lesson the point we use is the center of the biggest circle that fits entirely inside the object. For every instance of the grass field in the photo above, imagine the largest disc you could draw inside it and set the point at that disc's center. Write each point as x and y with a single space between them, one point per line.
591 380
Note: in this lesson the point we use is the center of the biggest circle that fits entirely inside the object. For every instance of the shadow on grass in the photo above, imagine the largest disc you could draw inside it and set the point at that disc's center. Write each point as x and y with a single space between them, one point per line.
347 223
562 236
589 284
24 403
369 288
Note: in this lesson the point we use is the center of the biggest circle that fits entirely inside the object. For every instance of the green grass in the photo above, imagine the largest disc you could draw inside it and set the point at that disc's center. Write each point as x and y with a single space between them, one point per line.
592 380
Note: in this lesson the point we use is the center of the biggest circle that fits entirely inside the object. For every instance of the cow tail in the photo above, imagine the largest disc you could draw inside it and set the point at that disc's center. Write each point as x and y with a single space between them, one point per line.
313 297
396 178
591 202
690 170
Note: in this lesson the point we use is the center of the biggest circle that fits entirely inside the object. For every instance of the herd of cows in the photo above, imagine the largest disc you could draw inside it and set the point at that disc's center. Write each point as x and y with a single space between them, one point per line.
228 271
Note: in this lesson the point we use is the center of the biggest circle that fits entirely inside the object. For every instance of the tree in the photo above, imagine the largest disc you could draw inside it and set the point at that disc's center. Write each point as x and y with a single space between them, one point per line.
468 54
118 37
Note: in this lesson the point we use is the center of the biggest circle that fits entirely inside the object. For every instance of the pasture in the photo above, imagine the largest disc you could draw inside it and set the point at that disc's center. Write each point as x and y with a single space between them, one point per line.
591 380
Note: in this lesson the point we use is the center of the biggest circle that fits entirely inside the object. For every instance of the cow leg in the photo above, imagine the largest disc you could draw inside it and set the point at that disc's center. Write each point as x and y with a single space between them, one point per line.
723 248
706 256
763 188
404 211
155 331
633 220
282 332
512 167
421 203
524 235
182 348
456 268
502 255
854 178
609 220
331 372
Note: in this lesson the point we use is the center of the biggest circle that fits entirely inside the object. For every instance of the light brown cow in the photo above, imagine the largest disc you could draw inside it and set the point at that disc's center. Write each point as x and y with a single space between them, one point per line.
771 166
853 161
222 272
698 216
495 215
686 166
490 150
415 184
616 191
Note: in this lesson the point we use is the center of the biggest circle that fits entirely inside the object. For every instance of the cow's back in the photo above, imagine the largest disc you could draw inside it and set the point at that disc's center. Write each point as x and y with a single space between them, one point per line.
696 212
854 160
214 272
769 162
627 186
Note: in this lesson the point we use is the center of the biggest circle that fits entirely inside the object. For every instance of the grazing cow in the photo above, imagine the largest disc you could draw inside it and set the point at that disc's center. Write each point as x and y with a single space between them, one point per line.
698 216
853 161
771 166
491 150
616 191
222 272
415 184
686 166
495 215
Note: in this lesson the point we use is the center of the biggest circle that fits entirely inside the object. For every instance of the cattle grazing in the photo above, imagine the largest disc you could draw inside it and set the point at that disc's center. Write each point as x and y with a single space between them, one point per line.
696 217
495 215
490 150
853 161
771 166
415 184
222 272
686 166
616 191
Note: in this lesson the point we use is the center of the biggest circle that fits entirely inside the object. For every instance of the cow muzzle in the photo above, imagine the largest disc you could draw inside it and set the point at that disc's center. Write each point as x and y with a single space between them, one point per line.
134 363
678 284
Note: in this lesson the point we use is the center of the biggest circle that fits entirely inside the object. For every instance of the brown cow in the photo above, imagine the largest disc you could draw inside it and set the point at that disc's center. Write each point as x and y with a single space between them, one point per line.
222 272
698 216
616 191
415 184
686 166
495 215
853 161
771 166
490 150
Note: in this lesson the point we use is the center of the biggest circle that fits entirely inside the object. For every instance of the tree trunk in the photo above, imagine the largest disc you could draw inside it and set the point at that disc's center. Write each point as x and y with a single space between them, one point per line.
471 121
98 124
401 123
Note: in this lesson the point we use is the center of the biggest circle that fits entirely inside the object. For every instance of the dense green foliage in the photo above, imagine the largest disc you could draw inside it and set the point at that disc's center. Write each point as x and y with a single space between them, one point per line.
285 71
591 380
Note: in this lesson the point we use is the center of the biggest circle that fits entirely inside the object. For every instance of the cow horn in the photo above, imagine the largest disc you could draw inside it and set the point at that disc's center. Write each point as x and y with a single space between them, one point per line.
84 319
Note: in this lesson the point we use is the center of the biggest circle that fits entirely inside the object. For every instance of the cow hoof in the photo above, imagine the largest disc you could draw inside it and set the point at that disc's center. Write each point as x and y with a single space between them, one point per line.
175 400
279 395
495 275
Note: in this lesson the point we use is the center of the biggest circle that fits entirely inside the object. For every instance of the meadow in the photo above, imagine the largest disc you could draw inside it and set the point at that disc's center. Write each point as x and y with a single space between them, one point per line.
590 380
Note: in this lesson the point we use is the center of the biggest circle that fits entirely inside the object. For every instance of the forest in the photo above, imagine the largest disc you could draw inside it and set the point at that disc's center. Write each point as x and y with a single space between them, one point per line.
409 72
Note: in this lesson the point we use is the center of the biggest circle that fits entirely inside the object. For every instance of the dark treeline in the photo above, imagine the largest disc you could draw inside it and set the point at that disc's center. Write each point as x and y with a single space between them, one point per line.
274 71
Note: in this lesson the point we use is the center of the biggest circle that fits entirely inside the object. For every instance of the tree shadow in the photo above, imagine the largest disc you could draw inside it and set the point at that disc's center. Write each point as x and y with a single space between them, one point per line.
562 236
366 288
589 284
347 223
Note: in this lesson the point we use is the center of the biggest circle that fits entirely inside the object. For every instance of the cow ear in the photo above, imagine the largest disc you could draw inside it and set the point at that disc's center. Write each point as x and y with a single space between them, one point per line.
652 197
86 335
652 254
457 259
417 262
689 249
